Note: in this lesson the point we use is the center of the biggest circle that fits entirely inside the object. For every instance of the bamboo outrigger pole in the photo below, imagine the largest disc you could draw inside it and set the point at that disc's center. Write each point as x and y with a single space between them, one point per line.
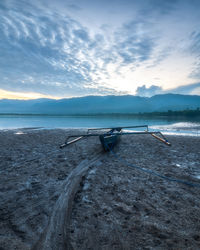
161 139
110 138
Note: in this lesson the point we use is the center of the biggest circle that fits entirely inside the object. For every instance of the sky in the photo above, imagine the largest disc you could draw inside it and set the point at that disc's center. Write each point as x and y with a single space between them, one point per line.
64 48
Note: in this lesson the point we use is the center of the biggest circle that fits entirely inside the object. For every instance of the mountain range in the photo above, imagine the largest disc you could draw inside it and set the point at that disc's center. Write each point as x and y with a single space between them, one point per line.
101 105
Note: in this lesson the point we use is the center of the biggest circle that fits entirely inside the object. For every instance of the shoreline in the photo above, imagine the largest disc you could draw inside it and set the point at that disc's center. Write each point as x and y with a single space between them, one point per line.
114 206
182 131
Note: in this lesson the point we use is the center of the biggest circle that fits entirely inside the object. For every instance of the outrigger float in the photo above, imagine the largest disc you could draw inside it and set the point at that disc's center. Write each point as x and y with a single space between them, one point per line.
111 137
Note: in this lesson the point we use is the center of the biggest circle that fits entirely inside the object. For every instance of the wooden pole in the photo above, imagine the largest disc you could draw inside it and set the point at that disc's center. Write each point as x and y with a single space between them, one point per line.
161 139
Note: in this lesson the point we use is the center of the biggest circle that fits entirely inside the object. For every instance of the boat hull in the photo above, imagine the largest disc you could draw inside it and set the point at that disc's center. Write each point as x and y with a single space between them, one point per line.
108 141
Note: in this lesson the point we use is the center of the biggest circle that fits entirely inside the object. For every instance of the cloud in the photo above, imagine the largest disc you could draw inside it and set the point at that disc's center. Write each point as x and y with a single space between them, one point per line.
23 96
81 34
133 42
195 50
47 49
74 7
148 92
43 46
189 89
162 7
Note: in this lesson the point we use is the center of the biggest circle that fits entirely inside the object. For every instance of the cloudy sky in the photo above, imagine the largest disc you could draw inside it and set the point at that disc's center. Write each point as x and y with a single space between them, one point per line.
65 48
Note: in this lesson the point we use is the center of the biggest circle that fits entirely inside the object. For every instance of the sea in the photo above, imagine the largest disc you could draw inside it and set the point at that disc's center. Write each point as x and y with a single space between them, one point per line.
177 126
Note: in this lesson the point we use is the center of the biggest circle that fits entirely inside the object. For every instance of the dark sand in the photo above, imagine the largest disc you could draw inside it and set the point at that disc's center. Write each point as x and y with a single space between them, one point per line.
114 206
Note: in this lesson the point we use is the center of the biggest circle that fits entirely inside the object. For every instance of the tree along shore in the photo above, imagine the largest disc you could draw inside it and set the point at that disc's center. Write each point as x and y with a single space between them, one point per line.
170 113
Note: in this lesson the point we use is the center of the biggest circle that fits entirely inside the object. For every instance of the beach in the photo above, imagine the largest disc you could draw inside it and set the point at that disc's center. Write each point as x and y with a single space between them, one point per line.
80 197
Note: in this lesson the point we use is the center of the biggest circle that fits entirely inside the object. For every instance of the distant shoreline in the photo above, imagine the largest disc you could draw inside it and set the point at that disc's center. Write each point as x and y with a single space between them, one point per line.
169 114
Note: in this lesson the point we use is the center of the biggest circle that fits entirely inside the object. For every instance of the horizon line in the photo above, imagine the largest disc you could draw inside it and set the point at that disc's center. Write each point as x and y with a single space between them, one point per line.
96 95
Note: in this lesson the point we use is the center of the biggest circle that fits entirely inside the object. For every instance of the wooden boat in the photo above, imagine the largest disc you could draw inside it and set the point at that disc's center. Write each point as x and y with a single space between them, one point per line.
109 137
109 140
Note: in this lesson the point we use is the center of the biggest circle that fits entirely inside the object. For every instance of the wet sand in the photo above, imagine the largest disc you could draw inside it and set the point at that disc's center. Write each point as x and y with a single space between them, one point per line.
110 204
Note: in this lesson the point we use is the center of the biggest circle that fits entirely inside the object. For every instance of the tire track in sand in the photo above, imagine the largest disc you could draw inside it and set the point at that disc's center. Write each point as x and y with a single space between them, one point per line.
56 234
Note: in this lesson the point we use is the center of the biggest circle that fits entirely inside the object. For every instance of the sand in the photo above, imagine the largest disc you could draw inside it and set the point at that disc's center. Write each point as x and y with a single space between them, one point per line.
82 198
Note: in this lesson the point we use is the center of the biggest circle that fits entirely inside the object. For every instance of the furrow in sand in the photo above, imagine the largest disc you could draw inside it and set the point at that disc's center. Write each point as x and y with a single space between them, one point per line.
56 234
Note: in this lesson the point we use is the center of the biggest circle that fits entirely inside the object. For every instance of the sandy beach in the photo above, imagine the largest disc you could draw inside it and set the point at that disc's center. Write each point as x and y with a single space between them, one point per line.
80 197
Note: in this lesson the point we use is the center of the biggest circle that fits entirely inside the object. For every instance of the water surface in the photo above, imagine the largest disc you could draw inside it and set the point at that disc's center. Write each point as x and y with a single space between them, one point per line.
169 126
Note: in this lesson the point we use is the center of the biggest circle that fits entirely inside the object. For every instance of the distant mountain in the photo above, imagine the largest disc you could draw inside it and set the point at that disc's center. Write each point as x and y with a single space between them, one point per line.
101 104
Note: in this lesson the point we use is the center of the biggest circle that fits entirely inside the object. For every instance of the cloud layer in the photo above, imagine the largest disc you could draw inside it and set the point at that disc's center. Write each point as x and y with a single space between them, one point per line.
57 51
193 89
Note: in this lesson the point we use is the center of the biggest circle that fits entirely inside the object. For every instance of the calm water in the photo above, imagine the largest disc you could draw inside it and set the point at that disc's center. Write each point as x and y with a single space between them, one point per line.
165 125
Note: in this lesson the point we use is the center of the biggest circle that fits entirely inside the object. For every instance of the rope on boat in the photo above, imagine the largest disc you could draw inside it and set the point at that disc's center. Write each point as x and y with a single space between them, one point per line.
151 172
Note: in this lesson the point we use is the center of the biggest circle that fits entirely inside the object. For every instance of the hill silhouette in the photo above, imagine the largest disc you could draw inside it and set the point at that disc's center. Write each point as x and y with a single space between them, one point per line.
87 105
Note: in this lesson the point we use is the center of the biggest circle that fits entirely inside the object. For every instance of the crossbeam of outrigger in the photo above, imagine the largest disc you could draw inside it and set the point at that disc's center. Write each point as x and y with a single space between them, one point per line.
110 138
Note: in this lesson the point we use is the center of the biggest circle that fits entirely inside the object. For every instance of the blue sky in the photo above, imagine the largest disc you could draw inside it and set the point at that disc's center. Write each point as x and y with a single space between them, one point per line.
69 48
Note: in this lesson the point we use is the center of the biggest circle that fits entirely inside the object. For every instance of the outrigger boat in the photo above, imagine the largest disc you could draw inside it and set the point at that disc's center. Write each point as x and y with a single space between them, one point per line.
110 138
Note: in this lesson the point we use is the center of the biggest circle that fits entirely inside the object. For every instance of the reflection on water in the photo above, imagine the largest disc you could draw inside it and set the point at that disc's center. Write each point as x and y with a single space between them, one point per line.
20 133
169 126
179 128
